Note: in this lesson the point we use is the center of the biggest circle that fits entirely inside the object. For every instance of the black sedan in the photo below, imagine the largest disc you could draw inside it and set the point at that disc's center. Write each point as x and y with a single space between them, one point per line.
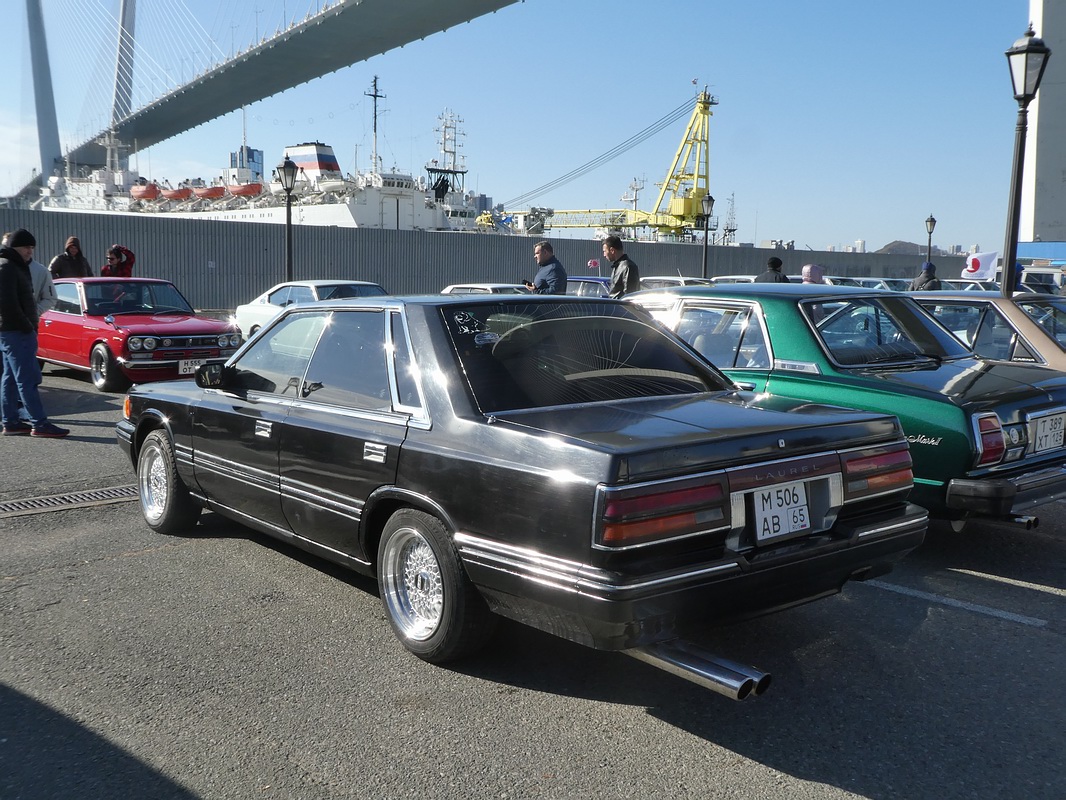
560 461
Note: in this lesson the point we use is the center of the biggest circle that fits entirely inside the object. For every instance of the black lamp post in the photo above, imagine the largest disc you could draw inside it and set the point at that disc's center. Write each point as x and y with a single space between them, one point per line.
929 225
708 208
286 173
1027 58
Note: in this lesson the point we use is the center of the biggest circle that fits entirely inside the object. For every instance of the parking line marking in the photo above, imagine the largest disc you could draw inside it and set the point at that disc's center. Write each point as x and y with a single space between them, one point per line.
1036 587
1021 619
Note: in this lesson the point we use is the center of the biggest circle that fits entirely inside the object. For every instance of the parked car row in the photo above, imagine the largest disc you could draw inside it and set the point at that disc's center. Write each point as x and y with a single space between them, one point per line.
619 473
986 437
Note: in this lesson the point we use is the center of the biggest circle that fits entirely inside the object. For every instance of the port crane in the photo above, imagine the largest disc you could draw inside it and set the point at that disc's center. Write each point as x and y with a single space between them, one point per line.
679 207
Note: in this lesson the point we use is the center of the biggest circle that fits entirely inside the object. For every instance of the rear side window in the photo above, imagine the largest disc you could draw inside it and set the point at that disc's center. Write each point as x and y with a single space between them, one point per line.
67 300
348 367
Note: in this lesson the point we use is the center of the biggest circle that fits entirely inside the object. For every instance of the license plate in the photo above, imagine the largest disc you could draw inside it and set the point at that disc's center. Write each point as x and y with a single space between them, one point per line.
188 366
781 510
1049 432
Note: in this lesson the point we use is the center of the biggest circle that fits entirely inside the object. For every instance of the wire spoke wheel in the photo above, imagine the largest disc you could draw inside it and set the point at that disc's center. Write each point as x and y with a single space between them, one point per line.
433 607
412 588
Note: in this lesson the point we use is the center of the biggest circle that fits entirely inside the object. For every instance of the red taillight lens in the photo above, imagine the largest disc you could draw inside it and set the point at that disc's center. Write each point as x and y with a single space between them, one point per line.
641 518
871 472
990 443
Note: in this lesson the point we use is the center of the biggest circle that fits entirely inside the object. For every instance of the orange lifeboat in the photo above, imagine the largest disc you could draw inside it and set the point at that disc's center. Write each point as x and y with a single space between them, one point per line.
181 193
209 192
245 189
145 191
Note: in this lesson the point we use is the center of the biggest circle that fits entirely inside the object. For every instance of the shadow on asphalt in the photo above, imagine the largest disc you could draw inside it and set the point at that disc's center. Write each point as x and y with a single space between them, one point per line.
58 757
869 695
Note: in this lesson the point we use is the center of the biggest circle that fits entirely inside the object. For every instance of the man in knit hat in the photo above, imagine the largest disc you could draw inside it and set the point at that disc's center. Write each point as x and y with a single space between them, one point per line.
18 342
773 272
71 263
927 281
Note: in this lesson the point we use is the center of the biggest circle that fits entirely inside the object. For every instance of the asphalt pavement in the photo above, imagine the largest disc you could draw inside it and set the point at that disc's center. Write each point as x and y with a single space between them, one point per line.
219 664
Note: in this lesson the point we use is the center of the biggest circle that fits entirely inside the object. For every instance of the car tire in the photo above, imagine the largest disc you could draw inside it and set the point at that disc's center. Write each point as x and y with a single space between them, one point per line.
166 503
433 607
104 370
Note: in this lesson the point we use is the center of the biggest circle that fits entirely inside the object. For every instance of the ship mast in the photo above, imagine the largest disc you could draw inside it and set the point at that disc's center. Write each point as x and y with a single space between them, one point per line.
375 166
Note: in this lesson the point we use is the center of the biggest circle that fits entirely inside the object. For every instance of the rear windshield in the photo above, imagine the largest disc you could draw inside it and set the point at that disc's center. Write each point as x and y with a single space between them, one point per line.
350 290
861 331
534 355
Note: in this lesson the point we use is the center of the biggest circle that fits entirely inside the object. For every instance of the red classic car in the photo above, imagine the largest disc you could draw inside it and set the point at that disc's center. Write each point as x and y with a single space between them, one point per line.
124 330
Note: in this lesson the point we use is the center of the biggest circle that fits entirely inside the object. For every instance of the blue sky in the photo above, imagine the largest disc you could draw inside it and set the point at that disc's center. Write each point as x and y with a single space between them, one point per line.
837 120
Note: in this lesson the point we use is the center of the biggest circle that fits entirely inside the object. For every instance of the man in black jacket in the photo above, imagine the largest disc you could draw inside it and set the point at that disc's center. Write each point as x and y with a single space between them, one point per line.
625 277
18 342
773 272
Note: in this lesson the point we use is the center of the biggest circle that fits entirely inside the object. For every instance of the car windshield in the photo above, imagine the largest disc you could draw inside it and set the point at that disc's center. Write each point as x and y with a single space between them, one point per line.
339 290
535 355
880 330
1049 315
134 297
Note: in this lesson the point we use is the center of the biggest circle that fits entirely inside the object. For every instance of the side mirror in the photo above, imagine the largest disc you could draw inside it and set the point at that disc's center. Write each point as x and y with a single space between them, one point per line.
209 376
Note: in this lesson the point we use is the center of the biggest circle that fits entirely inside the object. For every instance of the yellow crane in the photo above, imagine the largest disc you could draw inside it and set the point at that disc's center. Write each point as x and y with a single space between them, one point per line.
679 207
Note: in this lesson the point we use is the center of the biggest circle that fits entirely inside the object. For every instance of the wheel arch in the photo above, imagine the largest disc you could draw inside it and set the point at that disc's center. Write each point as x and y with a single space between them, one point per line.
386 501
151 420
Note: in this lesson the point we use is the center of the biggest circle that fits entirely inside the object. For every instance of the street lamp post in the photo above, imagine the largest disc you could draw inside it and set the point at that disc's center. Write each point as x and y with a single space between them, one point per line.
286 173
708 208
1027 58
929 225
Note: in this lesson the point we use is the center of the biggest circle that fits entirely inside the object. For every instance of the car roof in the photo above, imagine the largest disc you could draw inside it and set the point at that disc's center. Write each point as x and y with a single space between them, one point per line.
398 302
105 279
323 283
756 290
587 278
482 285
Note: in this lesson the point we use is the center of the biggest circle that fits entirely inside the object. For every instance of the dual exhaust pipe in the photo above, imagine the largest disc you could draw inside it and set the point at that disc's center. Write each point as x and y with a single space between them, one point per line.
728 678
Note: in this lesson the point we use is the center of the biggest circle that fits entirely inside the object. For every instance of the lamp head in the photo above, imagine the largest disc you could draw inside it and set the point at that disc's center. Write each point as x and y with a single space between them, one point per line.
1027 58
708 205
286 173
930 224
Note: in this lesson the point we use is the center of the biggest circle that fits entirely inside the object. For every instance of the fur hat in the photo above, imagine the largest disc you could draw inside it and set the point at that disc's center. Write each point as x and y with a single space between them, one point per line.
22 238
773 262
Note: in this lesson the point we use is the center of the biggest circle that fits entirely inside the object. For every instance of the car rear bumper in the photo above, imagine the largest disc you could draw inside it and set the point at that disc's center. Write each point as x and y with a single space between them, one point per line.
1000 498
612 611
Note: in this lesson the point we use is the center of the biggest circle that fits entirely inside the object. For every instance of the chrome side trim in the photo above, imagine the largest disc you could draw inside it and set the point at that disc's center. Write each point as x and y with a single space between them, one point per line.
568 576
895 526
346 506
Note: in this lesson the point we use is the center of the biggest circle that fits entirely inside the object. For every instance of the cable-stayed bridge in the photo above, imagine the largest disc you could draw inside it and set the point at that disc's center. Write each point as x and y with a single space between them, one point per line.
148 105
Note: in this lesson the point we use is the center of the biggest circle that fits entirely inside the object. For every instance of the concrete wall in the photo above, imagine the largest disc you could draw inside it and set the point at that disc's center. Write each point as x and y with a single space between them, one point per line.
218 265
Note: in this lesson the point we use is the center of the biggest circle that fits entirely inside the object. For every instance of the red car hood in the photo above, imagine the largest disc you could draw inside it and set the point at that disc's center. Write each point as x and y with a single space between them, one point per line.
171 324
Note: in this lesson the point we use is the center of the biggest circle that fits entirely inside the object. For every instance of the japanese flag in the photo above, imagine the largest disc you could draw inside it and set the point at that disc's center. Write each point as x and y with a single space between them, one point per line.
981 266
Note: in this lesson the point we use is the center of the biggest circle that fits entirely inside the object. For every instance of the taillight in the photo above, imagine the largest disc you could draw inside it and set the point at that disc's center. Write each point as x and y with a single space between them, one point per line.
878 470
636 516
990 443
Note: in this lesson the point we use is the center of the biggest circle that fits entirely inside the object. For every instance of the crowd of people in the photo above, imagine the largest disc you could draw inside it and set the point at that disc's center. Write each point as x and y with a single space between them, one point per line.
27 291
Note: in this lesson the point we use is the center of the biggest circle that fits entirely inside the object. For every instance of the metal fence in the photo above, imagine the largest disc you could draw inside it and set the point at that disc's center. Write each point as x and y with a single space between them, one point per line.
218 265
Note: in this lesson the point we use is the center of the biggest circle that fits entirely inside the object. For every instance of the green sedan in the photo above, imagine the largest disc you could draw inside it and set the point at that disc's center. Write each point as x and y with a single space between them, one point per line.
986 438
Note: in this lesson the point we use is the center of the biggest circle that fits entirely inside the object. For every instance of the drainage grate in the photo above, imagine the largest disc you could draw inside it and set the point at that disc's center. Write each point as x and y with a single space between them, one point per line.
61 502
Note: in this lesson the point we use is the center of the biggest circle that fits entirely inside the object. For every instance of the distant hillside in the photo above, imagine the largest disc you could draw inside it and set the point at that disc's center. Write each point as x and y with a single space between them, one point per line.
901 248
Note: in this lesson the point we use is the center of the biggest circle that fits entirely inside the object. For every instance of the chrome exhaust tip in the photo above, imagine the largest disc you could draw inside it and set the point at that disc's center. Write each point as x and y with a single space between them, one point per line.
727 678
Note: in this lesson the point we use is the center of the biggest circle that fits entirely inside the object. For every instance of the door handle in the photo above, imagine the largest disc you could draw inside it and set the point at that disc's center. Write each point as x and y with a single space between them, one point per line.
263 428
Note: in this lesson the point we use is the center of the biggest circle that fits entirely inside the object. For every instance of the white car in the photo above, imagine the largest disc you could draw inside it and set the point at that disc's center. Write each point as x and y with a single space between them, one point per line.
485 288
254 315
666 281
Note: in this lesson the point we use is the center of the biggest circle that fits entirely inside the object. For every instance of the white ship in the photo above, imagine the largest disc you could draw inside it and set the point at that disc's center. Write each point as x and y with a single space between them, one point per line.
323 195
